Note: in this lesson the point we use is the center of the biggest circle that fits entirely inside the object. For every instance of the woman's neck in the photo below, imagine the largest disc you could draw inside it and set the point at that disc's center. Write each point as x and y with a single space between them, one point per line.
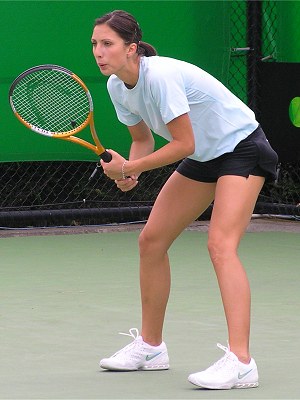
131 75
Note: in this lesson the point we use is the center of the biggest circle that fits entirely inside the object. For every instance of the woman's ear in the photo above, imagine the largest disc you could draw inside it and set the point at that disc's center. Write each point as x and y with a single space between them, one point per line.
132 48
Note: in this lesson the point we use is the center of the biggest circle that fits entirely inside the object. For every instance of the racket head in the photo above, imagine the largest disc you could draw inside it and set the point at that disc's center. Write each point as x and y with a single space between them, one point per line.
51 100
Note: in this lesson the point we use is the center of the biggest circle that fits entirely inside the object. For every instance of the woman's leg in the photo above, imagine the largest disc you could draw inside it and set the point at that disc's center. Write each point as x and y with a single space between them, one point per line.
235 199
179 203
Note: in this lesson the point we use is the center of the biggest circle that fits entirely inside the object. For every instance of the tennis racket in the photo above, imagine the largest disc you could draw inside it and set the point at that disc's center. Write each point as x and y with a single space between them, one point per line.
54 102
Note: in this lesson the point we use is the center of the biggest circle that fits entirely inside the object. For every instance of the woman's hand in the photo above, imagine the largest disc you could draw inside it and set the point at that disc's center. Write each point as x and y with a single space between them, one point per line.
113 169
126 184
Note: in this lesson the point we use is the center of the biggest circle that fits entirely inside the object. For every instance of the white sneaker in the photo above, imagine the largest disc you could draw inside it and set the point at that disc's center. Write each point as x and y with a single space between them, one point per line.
227 373
137 355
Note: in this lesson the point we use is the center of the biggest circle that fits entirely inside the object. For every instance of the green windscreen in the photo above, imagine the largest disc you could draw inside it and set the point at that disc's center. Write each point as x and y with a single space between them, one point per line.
58 32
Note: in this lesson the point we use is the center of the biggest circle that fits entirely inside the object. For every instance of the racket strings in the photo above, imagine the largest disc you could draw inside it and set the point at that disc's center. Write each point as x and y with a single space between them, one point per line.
51 100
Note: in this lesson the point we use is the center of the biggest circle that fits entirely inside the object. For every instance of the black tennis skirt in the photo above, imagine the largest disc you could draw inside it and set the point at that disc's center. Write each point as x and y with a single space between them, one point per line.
252 156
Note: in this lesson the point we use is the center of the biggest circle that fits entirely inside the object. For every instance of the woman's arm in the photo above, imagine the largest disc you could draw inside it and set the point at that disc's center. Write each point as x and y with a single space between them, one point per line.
181 146
142 141
141 146
142 158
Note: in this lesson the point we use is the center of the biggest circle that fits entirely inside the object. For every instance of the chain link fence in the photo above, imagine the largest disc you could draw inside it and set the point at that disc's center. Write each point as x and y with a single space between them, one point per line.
60 193
254 26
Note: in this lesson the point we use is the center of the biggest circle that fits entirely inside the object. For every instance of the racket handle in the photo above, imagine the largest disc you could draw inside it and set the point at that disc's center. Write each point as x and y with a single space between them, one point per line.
106 156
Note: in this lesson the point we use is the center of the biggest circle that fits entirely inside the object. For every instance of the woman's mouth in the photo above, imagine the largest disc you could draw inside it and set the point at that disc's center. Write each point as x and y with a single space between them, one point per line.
102 66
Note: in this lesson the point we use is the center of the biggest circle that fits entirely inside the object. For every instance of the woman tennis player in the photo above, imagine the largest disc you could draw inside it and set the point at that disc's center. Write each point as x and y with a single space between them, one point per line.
226 159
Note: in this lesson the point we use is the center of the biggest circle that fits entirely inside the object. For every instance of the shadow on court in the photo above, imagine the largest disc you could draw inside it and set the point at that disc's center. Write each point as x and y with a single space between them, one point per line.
65 298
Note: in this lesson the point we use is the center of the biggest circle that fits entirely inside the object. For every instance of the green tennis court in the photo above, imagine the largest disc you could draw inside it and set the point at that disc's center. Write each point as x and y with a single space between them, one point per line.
64 298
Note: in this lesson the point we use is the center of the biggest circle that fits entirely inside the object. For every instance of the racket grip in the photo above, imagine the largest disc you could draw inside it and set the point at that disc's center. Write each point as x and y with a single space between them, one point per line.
106 156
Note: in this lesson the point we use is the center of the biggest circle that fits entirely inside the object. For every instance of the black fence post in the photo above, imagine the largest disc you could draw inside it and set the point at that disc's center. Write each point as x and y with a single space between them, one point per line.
254 42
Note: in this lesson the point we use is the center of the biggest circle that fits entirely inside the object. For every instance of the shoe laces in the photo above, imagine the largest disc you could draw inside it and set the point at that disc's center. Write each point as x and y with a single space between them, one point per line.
134 333
225 359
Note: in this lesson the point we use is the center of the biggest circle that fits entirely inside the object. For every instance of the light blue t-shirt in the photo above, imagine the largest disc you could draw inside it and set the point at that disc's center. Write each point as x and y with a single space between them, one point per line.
168 88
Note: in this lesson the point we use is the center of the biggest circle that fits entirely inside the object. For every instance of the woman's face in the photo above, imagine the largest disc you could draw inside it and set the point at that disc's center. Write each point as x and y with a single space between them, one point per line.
110 51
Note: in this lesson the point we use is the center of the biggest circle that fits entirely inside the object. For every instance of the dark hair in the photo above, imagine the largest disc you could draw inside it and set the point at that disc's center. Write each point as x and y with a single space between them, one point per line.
126 26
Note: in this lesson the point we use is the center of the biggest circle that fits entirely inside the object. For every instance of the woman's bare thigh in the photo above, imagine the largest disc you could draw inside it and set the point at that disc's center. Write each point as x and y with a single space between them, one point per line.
180 202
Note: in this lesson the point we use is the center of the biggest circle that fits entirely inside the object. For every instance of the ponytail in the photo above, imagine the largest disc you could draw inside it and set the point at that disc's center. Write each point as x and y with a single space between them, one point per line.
146 49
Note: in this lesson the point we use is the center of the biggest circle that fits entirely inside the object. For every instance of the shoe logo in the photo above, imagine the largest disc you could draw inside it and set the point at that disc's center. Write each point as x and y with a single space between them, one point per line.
151 356
241 376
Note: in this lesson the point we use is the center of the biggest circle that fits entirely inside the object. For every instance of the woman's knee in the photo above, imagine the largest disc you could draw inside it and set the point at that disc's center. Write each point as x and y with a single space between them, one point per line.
148 242
221 248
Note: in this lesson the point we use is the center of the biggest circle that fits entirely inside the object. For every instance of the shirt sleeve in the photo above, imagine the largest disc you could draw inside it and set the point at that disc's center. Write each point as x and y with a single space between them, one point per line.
169 93
124 115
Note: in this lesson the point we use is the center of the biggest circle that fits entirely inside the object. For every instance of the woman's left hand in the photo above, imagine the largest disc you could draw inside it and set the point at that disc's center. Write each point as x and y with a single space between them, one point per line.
127 184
